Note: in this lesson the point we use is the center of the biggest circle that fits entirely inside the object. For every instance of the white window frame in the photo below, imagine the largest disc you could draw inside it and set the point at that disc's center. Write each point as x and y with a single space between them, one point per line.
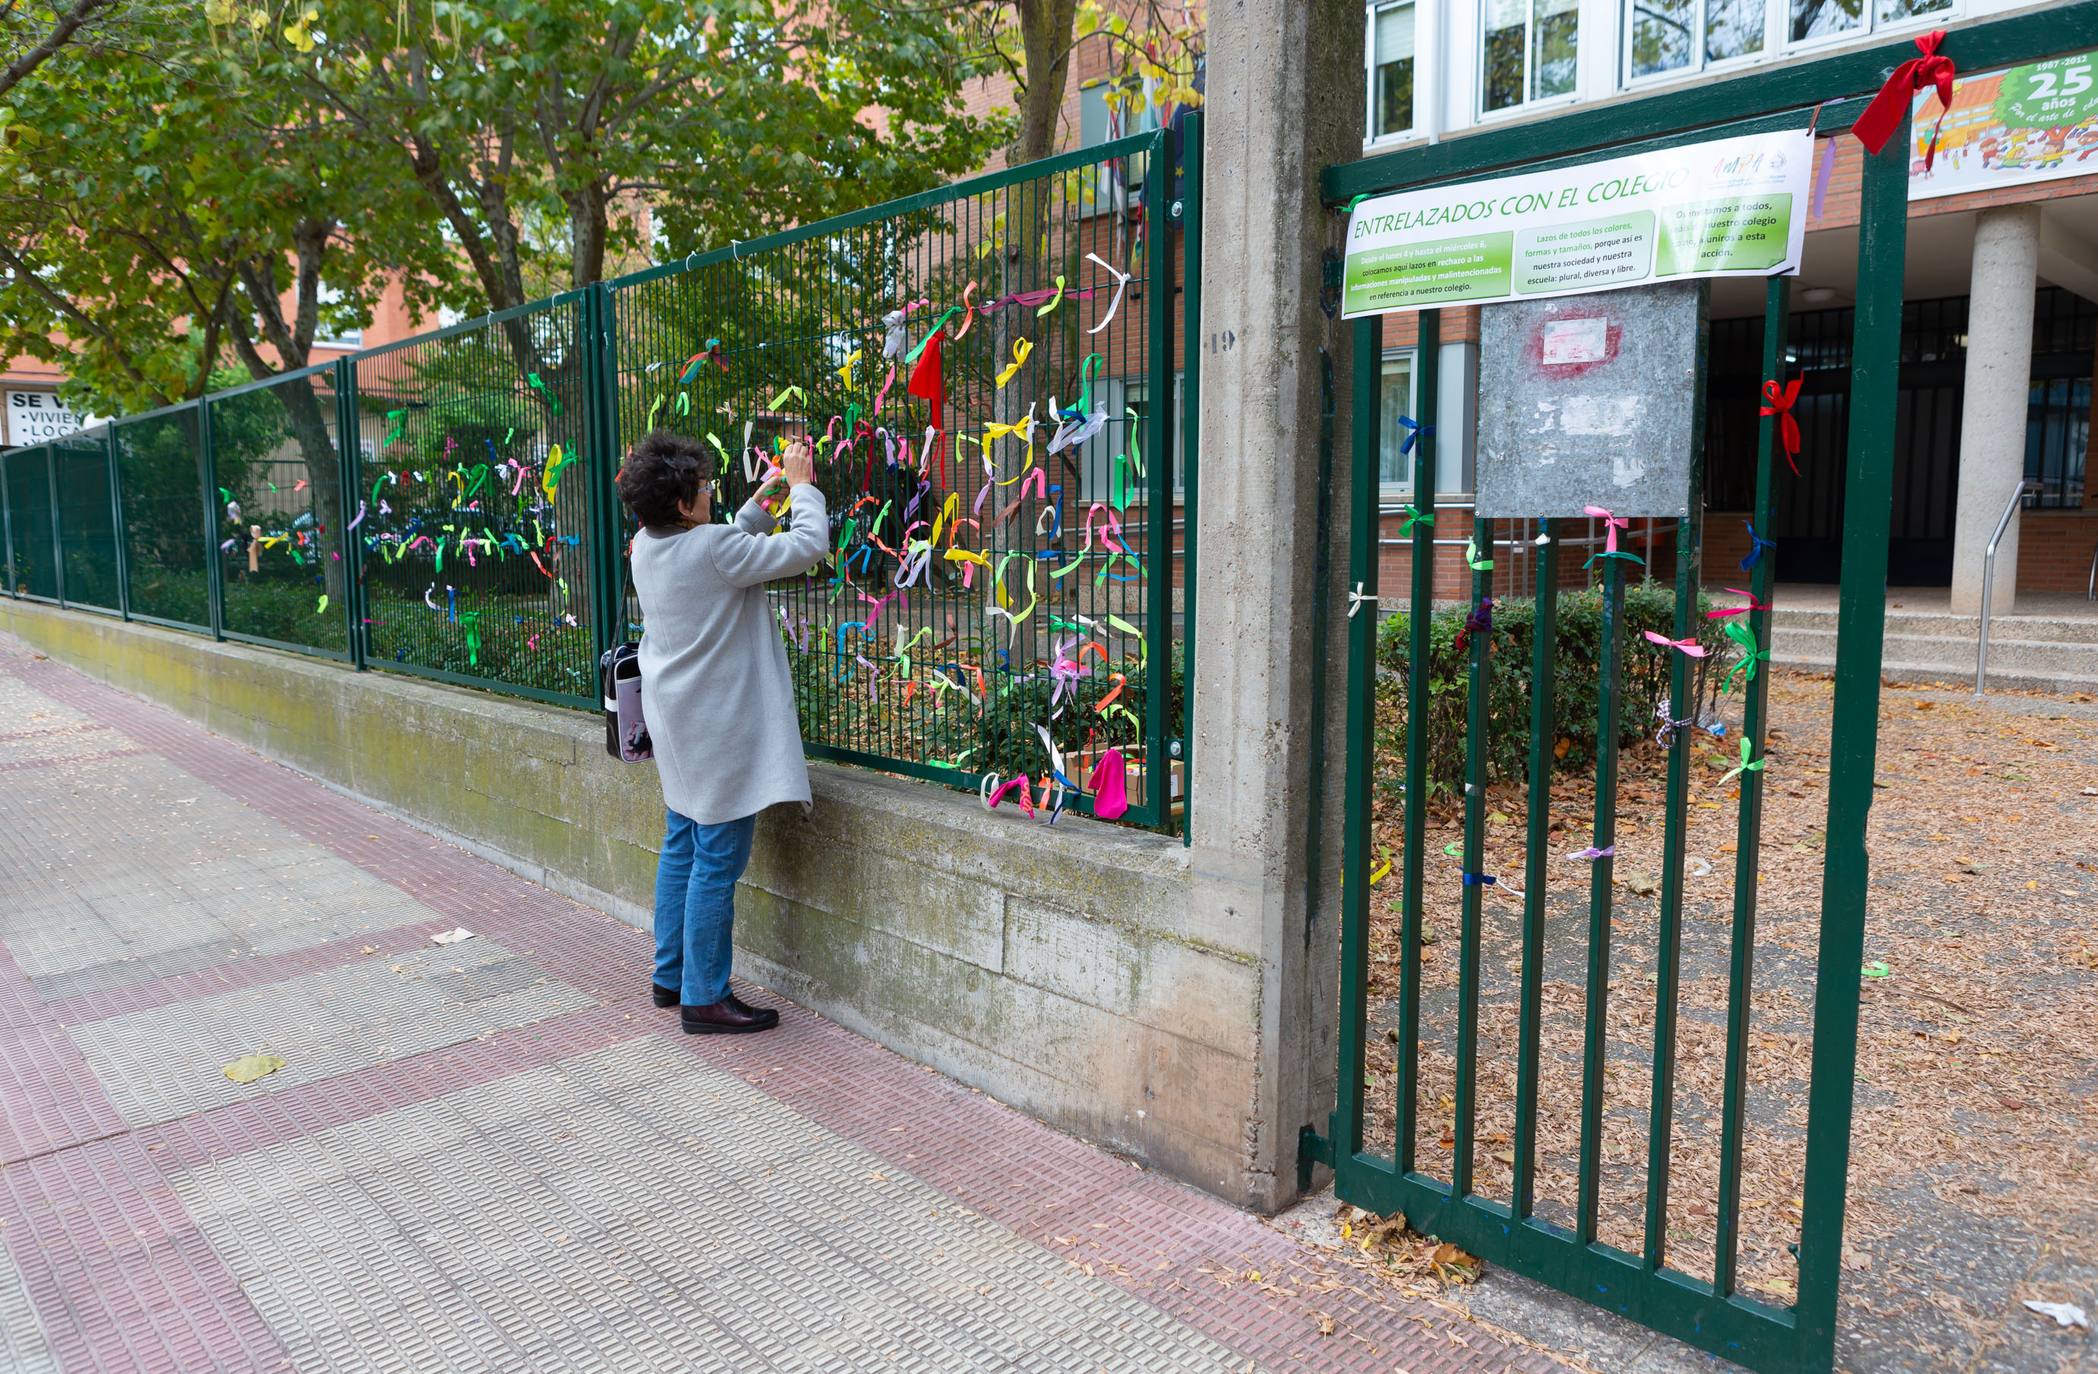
1868 26
1775 17
327 295
1421 69
1410 356
1529 104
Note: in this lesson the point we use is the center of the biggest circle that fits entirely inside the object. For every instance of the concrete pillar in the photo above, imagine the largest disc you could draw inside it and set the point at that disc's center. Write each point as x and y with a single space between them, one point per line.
1284 99
1993 401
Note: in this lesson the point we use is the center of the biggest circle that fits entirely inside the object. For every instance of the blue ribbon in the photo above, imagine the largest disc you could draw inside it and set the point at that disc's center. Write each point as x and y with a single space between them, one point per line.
1480 880
1414 430
1756 544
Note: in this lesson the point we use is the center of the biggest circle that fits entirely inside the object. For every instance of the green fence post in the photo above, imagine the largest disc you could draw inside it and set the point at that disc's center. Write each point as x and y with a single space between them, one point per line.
7 526
116 523
348 436
58 527
1189 210
215 566
1158 419
601 431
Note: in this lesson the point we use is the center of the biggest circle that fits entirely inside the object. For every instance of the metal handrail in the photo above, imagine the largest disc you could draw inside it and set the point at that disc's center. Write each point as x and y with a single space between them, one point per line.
1988 580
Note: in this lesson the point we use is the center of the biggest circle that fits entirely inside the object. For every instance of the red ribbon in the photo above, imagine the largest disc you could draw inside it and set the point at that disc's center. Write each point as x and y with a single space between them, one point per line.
1777 400
1883 116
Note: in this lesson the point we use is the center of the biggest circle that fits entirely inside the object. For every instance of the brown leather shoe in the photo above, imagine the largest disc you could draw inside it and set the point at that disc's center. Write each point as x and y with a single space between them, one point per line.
662 996
726 1017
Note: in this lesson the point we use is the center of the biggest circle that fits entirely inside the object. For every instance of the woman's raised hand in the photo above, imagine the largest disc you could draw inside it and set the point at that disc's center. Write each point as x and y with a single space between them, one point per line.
799 463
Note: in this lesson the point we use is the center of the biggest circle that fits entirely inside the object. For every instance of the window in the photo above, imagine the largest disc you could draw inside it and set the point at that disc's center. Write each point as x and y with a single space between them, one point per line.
1812 19
1671 37
1117 184
1126 401
336 328
1529 50
1394 462
1391 69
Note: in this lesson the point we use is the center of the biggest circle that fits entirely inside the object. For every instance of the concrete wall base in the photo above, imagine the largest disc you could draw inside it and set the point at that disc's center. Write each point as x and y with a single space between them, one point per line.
1061 970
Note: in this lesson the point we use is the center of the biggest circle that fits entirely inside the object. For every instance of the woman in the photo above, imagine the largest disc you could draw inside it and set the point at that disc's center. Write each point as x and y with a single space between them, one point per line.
718 701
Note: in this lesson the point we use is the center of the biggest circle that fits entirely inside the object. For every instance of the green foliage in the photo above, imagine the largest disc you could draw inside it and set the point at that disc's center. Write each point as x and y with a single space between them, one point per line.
1644 678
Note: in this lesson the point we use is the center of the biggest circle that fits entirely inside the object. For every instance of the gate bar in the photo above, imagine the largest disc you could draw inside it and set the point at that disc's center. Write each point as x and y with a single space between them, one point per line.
1684 698
1544 636
1777 305
1420 608
1854 733
1346 1134
1595 1037
1473 891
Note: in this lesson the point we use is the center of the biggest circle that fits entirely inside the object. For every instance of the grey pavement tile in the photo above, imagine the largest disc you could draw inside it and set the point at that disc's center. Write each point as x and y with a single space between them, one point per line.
23 1346
166 1062
636 1209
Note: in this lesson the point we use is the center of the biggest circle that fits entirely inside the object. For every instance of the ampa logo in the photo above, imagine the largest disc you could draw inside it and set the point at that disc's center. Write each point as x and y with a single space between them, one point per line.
1748 164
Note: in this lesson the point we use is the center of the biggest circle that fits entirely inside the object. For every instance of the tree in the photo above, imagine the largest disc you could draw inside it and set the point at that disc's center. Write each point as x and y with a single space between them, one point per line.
727 119
30 36
1154 55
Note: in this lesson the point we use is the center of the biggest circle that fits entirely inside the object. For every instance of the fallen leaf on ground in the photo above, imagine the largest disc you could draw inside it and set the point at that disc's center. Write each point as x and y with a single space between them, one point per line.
452 936
2064 1313
250 1067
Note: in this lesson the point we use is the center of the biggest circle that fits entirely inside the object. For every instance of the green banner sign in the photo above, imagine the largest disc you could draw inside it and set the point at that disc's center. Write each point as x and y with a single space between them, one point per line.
1730 207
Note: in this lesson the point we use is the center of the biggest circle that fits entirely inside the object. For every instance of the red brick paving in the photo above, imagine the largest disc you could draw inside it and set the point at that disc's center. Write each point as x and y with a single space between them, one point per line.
122 1279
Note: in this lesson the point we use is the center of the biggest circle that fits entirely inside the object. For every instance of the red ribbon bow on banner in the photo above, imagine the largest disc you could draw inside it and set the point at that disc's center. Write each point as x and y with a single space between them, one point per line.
1777 400
1883 116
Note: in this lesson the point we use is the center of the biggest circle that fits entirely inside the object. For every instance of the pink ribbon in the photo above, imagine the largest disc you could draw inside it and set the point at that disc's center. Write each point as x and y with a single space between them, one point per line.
1687 646
1611 525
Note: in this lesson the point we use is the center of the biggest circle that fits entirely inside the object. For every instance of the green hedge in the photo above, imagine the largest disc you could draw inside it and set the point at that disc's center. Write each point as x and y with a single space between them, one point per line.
1644 673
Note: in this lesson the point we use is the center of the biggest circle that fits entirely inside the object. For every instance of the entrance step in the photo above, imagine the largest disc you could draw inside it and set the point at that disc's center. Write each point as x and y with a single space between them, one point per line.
2026 652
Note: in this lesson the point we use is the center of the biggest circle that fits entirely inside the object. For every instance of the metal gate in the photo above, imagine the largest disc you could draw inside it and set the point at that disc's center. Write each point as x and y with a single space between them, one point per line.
1508 1218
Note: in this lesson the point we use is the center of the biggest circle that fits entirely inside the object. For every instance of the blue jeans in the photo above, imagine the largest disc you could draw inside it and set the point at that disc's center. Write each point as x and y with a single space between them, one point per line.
696 905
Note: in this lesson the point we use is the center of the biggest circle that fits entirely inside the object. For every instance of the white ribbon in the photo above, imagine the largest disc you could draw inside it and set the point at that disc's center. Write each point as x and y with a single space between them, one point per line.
1356 600
1121 281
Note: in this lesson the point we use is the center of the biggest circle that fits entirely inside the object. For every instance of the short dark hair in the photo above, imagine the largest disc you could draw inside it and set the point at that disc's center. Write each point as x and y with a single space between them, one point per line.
662 473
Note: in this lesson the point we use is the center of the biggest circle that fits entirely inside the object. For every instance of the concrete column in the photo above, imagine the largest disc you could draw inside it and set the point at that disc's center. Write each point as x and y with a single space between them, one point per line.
1993 401
1284 99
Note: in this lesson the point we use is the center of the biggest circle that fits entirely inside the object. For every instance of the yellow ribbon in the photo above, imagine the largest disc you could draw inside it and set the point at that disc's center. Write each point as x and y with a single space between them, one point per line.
845 372
1021 348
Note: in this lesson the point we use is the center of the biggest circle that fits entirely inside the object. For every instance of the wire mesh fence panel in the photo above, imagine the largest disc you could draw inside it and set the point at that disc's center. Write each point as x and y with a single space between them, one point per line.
160 488
29 522
87 530
973 367
278 476
473 515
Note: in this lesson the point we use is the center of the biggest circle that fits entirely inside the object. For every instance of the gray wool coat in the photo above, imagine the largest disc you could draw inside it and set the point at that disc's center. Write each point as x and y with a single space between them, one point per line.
714 684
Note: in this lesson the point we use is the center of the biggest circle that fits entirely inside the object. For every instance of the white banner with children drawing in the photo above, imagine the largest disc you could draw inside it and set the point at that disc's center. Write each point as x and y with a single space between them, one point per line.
2037 122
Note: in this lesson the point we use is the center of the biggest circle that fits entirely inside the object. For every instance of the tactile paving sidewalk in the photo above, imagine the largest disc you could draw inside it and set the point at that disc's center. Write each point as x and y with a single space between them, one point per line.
496 1155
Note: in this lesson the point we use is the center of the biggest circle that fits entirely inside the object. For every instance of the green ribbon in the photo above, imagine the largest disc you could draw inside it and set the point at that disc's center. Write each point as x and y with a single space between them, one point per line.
1745 766
473 637
1471 556
551 399
400 423
1414 516
1746 638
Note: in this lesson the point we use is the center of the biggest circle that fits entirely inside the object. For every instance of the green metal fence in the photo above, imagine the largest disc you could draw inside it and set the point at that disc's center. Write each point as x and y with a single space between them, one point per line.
476 482
275 471
160 506
87 534
987 374
991 373
1466 1162
32 524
